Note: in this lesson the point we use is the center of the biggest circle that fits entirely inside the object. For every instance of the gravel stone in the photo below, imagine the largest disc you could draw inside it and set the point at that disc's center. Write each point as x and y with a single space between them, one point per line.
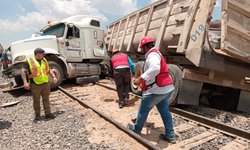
190 133
18 131
235 119
214 144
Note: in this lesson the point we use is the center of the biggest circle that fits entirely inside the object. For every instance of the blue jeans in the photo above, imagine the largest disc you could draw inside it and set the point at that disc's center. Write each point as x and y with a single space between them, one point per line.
161 102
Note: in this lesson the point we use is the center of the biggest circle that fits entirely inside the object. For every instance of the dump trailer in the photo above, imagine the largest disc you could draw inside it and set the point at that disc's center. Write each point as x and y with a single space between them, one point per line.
208 60
74 48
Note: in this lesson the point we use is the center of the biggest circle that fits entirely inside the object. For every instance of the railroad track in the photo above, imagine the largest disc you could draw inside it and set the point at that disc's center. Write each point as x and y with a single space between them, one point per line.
74 96
62 96
192 131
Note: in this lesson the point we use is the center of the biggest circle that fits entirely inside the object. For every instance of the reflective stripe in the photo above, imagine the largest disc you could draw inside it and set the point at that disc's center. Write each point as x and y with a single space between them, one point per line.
46 67
34 71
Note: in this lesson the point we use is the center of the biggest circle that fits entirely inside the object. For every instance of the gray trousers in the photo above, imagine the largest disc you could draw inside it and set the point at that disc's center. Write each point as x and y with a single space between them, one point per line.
122 78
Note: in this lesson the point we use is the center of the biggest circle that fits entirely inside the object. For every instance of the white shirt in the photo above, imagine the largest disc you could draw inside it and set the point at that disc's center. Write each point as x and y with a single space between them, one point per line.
151 70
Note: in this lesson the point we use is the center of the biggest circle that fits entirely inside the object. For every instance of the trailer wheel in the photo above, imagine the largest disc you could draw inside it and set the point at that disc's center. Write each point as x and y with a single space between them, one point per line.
223 101
176 75
138 71
58 72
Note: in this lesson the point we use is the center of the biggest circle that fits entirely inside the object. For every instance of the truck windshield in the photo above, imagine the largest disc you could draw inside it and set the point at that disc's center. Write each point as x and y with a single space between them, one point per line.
57 30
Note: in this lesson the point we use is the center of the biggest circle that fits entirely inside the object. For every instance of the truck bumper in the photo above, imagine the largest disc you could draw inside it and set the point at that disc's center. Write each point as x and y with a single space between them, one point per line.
12 71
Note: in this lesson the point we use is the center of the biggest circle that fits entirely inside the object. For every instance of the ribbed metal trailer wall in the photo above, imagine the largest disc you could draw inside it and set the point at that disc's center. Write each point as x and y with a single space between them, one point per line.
170 22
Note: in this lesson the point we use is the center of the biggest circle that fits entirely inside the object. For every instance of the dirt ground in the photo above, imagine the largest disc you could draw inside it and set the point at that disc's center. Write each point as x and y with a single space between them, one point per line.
74 127
107 101
78 127
101 130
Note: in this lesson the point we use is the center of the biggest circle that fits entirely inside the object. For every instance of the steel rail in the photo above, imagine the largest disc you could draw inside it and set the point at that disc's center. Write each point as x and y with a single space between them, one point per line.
141 140
212 123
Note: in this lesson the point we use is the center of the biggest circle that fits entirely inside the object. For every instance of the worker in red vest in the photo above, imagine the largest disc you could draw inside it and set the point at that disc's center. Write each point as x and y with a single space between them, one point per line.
37 69
122 67
157 87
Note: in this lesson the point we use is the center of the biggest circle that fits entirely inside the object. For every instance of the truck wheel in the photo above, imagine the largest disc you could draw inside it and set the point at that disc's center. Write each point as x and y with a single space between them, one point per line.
176 75
18 80
58 72
138 71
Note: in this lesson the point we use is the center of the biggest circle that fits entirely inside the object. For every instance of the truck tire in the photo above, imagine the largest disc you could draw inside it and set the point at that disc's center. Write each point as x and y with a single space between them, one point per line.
227 101
138 71
18 80
58 72
176 75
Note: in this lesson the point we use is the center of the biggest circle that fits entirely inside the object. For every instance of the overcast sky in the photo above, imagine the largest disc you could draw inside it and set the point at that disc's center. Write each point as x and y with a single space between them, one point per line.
20 18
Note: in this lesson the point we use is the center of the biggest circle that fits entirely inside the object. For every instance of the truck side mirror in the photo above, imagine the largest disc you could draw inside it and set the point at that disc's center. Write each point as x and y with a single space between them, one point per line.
67 43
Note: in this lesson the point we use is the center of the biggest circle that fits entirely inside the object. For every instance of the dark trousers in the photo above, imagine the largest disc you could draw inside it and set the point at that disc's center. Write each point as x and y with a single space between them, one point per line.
38 90
122 80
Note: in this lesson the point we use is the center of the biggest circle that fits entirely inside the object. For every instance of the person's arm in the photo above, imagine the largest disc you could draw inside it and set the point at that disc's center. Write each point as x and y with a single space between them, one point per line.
138 81
110 69
24 72
23 75
53 75
131 65
154 65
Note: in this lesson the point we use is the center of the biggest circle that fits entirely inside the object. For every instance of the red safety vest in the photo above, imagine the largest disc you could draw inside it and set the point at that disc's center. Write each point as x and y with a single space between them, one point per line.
119 59
163 78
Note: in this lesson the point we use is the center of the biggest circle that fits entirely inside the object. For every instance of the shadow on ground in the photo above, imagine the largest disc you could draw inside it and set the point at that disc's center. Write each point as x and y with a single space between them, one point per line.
5 124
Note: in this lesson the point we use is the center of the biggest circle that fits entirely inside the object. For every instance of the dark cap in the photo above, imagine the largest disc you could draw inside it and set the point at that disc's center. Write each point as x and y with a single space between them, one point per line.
38 50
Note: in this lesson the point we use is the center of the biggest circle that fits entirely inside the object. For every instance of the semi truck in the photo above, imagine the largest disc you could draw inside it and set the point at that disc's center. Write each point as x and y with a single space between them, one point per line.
74 48
207 59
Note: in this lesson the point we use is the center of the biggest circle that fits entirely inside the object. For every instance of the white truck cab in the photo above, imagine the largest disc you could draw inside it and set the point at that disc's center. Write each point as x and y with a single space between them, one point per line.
74 47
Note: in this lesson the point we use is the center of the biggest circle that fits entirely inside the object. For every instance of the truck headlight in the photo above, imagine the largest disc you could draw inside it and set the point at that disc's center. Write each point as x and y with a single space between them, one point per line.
21 58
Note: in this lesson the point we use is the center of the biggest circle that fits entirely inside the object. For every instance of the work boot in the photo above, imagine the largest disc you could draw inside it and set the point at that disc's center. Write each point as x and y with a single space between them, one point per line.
37 118
133 120
126 99
49 116
168 139
130 127
121 105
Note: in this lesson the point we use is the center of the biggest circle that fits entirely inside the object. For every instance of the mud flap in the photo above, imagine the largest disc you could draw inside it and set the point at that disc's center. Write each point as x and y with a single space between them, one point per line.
244 102
190 92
